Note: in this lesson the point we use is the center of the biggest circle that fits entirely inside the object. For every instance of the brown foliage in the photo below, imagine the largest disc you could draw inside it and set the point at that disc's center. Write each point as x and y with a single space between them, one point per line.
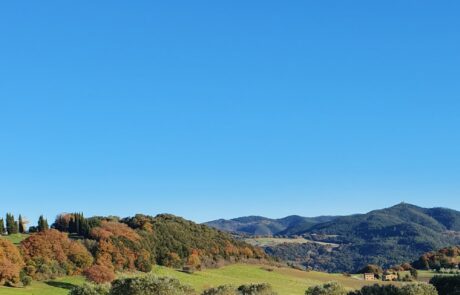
173 260
120 246
52 247
100 274
10 263
194 260
109 229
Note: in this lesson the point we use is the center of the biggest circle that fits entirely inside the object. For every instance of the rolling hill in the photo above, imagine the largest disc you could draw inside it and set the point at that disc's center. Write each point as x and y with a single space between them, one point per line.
386 237
285 281
262 226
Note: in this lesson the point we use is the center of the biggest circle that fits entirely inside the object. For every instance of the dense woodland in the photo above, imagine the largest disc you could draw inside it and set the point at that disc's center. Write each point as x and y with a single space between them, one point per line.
447 258
100 246
384 237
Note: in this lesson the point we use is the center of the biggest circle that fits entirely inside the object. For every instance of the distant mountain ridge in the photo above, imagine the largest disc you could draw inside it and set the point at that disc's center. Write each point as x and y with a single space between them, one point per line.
386 236
263 226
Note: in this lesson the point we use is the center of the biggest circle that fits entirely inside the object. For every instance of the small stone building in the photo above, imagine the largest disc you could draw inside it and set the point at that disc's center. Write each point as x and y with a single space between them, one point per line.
389 276
369 277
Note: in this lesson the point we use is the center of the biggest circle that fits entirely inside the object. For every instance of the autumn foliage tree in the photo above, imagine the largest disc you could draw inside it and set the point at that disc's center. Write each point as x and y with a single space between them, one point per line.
100 274
121 247
11 263
173 260
51 253
194 260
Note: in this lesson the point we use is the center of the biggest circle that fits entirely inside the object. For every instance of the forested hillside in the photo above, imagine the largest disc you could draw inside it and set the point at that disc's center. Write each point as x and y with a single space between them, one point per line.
100 246
385 237
262 226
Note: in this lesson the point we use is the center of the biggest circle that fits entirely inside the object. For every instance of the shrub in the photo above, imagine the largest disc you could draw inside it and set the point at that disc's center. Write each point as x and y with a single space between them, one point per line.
150 285
100 274
418 289
221 290
25 279
330 288
377 290
446 285
256 289
10 263
89 289
173 260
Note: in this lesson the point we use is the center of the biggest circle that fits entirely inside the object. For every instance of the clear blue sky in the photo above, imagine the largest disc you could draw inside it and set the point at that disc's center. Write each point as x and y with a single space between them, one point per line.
210 109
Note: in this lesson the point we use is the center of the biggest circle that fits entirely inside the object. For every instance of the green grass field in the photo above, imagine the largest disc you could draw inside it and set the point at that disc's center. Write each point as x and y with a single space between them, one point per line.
285 281
16 238
265 242
55 287
426 275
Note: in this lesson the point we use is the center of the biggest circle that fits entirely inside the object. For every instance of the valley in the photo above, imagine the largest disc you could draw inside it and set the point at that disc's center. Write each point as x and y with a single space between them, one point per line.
346 243
409 242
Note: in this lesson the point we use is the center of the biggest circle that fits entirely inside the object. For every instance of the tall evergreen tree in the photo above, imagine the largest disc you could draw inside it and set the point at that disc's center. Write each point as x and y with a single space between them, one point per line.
78 224
11 224
21 225
72 224
2 226
42 224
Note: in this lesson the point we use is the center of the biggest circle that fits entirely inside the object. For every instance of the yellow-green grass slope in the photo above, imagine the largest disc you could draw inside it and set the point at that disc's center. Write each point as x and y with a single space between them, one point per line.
15 238
54 287
285 281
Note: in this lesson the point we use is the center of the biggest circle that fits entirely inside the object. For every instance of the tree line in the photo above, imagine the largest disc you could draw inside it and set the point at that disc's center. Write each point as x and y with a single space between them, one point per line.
11 226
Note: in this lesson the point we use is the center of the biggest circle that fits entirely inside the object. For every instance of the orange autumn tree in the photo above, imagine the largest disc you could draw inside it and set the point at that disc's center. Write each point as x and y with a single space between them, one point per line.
51 253
11 263
100 274
194 260
120 247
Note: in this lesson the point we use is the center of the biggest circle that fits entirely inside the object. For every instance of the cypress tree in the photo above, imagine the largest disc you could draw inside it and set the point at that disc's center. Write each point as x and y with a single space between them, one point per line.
9 228
2 226
11 225
72 224
42 224
21 225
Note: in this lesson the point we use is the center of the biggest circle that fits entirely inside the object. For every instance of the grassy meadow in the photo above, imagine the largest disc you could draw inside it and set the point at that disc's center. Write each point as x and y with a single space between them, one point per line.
15 238
285 281
59 286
